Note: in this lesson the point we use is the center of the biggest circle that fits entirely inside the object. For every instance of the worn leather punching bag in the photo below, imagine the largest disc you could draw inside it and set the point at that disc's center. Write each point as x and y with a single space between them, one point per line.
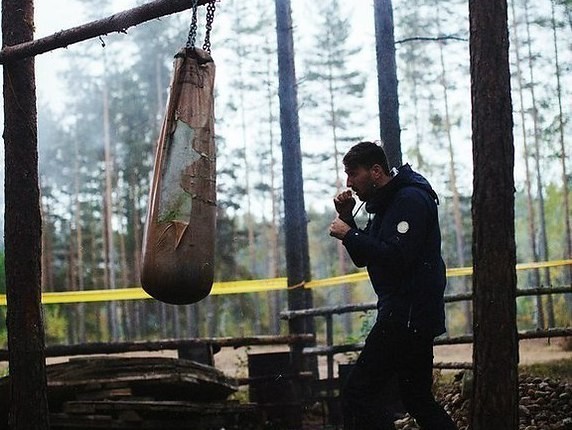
178 243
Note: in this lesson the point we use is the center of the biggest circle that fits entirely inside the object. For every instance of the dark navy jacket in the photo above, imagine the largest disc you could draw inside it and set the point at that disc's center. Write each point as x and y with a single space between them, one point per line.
401 247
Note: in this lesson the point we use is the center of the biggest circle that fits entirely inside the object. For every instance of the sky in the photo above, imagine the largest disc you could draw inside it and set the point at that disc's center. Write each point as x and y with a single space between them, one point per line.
49 19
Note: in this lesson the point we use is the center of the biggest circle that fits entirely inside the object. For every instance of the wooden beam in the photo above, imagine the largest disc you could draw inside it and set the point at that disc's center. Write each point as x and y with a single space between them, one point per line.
457 340
118 22
364 307
169 344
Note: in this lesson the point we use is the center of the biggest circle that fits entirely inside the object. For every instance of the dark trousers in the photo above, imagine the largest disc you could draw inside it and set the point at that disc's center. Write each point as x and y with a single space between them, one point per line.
392 350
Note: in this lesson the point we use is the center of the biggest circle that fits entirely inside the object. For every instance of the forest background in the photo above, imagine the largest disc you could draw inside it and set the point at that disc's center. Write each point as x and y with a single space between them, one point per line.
101 104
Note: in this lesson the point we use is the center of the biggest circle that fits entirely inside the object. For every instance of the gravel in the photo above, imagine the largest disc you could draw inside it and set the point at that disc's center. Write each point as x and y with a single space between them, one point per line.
544 404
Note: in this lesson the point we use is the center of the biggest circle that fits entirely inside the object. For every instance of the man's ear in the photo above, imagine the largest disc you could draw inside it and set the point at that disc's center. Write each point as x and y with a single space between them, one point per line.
376 171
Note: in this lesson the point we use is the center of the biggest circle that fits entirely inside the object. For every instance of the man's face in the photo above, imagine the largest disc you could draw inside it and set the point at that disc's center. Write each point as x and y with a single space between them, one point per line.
360 180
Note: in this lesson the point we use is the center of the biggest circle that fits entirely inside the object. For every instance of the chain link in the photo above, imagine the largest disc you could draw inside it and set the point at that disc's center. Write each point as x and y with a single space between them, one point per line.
193 28
209 25
210 17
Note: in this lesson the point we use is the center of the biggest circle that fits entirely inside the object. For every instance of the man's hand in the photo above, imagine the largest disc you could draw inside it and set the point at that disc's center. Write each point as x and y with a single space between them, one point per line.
338 228
345 203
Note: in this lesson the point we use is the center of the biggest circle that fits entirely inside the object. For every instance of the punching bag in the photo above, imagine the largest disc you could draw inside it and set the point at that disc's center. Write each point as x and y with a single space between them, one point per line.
179 236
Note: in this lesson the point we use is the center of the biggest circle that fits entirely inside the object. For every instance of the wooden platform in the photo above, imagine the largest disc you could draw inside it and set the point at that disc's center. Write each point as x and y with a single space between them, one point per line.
110 392
163 415
154 378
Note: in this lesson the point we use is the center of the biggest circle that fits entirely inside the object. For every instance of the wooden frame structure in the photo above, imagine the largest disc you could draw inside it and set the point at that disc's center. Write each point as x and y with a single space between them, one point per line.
118 22
22 216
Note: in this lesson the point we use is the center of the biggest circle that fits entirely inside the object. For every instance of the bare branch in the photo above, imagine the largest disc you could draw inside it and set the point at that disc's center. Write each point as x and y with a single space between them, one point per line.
431 39
118 22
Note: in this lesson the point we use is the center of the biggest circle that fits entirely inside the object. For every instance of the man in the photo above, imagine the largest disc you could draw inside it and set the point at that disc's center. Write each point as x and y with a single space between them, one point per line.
401 248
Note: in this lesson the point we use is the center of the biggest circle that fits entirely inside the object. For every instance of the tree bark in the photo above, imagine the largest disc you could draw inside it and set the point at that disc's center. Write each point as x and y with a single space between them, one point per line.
563 155
47 281
109 247
535 273
79 243
390 131
539 185
295 220
457 214
28 386
495 394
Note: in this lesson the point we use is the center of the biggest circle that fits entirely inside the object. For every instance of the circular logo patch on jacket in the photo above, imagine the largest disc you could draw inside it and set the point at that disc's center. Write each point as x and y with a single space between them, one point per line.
403 227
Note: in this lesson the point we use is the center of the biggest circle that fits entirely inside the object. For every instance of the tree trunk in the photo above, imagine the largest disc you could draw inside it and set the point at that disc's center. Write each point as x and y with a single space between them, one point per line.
71 312
563 155
535 273
540 187
109 249
274 302
47 248
245 300
164 320
495 394
192 317
23 228
79 244
457 214
390 130
342 260
295 221
126 307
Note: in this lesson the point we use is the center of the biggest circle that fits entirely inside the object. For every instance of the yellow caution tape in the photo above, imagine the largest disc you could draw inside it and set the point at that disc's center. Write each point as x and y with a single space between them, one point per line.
248 286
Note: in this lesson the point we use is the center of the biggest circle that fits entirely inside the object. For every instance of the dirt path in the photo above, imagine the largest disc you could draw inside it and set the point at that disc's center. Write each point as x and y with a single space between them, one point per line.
234 362
530 351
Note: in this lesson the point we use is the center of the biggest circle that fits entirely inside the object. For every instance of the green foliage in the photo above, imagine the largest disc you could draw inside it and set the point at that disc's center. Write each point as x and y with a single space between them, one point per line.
2 274
526 311
456 319
3 330
56 325
556 369
366 322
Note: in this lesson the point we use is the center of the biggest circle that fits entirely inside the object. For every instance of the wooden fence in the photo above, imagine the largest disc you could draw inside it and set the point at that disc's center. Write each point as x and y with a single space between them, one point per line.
330 349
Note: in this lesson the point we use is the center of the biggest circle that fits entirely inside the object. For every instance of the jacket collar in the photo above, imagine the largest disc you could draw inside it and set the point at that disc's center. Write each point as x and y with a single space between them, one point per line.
404 178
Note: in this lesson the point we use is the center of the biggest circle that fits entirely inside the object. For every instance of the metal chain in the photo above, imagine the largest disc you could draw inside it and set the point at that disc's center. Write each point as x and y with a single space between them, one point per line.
210 17
193 28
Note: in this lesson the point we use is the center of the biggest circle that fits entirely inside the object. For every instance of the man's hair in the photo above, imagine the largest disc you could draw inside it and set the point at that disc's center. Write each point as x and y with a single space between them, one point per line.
366 154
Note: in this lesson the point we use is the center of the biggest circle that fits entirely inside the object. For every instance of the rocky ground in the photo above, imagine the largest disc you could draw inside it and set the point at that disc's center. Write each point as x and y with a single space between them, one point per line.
545 404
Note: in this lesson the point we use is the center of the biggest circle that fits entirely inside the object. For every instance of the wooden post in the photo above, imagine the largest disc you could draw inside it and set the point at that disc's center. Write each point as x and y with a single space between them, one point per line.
495 352
28 387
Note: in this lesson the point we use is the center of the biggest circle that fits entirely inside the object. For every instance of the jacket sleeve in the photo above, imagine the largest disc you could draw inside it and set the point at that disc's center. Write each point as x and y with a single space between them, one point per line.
399 241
